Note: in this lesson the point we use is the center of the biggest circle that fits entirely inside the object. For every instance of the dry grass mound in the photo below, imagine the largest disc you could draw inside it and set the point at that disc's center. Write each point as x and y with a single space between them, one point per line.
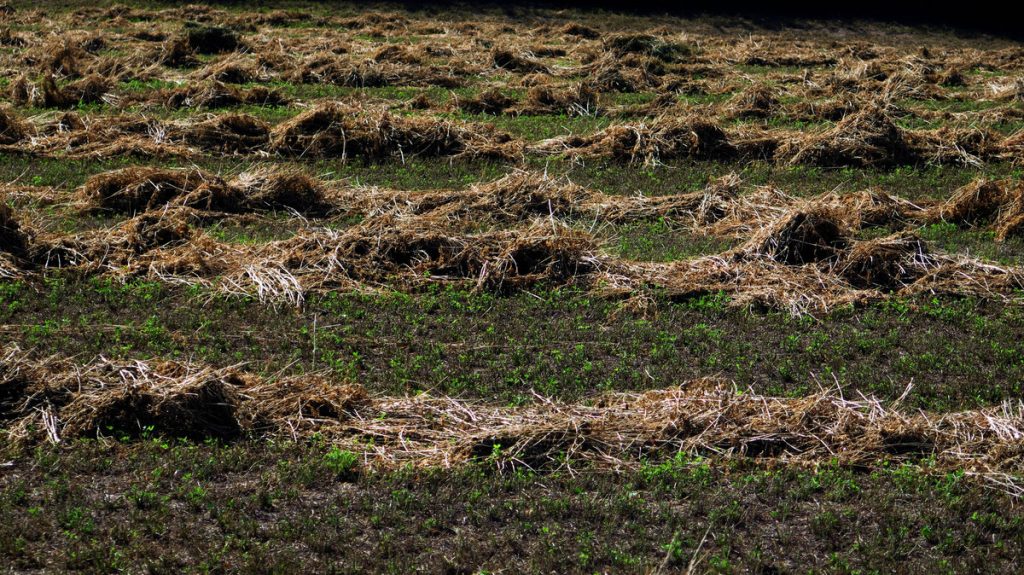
268 189
12 128
696 138
491 101
979 201
89 90
508 60
999 204
162 397
14 239
800 237
580 31
388 249
757 101
646 44
869 137
578 100
156 229
229 133
133 190
301 405
218 95
889 263
204 39
336 130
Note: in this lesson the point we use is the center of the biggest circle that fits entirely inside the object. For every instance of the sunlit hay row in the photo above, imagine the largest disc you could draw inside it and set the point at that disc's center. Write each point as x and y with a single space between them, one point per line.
329 130
868 137
58 401
719 209
797 255
330 52
523 195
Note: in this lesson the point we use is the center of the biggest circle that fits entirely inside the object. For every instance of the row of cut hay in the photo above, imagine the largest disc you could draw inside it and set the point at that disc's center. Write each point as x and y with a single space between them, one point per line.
802 256
998 204
336 130
91 89
576 100
866 138
140 189
523 195
60 402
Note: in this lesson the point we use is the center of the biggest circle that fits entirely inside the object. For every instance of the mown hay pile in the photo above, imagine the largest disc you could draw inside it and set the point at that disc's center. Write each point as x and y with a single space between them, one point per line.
152 230
14 240
12 128
268 189
889 264
646 44
578 100
491 101
335 130
205 39
217 95
999 204
509 60
757 101
799 237
89 90
61 401
868 137
411 251
133 190
229 133
696 138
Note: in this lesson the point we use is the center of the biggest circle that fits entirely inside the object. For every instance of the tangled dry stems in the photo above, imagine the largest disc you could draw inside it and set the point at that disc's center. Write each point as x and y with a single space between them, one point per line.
58 401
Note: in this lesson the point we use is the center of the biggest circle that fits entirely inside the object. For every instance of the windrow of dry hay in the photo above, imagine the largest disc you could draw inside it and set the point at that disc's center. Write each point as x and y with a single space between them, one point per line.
799 255
869 137
717 94
57 401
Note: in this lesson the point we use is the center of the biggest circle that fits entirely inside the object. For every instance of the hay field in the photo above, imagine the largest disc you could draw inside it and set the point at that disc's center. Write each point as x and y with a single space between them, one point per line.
334 288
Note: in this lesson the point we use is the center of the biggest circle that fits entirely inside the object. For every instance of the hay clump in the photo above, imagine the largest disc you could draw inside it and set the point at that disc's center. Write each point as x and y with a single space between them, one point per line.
157 229
231 133
869 137
578 100
649 144
12 128
508 60
622 44
89 90
133 190
399 54
999 204
301 404
889 264
234 70
412 251
335 130
580 31
800 237
177 53
267 189
491 101
757 101
219 95
14 239
168 398
979 201
204 39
